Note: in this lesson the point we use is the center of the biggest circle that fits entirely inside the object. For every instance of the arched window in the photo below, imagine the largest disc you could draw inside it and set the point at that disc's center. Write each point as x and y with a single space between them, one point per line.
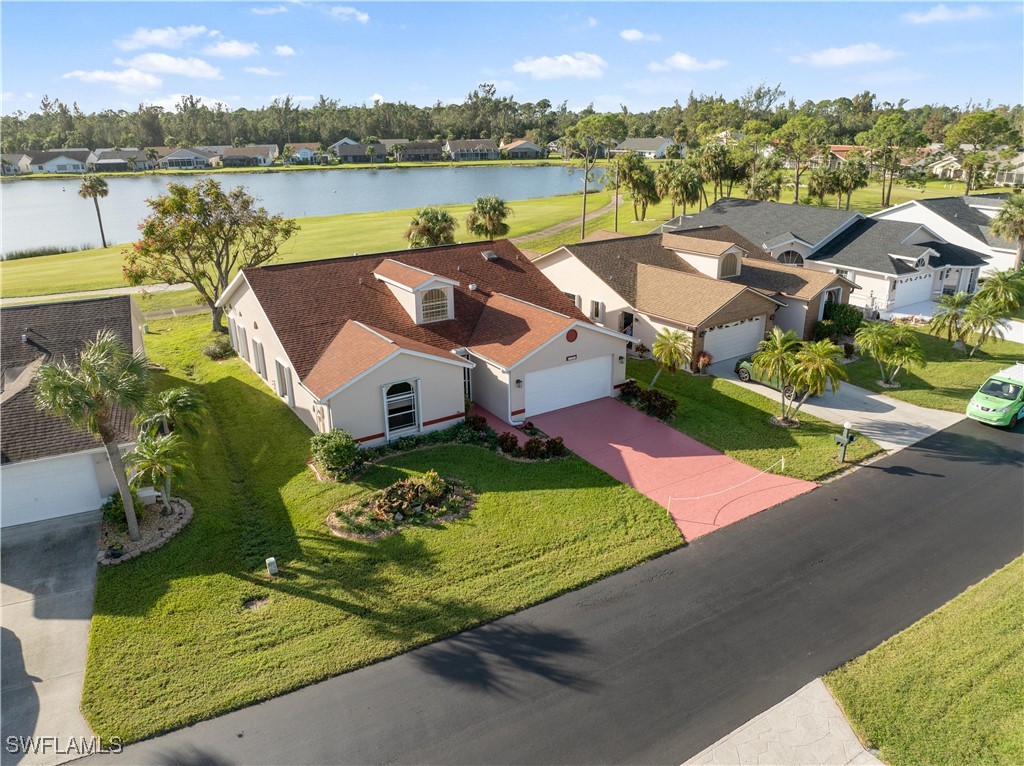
435 305
730 265
400 400
791 256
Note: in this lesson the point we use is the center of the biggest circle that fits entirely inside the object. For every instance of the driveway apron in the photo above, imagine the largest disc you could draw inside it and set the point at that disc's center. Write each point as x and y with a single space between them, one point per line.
702 489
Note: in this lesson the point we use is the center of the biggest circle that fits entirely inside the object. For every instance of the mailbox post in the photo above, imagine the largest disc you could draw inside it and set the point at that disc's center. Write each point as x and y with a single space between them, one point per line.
844 440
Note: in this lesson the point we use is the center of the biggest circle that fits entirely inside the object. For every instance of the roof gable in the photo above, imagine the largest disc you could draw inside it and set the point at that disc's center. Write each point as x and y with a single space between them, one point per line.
509 329
689 299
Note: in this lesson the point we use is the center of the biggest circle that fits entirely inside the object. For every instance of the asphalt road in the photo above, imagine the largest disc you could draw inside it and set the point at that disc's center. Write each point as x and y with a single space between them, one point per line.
654 664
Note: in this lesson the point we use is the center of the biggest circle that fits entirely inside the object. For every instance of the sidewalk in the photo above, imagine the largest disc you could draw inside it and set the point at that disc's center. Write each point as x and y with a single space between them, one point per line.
158 288
805 729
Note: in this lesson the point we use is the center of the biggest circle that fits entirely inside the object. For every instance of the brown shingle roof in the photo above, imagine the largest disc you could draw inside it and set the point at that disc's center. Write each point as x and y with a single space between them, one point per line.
403 274
726 234
509 329
696 245
309 303
689 299
775 278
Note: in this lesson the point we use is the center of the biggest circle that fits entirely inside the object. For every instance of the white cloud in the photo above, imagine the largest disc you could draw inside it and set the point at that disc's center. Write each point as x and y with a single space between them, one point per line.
262 71
579 64
684 62
165 37
161 63
269 10
591 21
127 80
232 49
377 98
284 50
861 53
943 12
635 36
347 13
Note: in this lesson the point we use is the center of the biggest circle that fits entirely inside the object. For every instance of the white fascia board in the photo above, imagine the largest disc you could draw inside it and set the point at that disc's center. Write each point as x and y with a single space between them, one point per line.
559 249
230 289
457 361
878 213
556 336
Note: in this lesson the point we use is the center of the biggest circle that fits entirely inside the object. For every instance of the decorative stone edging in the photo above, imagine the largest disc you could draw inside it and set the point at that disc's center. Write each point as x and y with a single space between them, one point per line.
105 559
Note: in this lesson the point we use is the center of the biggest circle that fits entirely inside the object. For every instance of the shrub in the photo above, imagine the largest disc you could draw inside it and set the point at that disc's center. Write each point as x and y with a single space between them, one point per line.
656 404
848 349
825 330
556 447
629 391
113 510
703 361
476 422
535 448
641 350
409 497
509 443
845 317
219 349
335 450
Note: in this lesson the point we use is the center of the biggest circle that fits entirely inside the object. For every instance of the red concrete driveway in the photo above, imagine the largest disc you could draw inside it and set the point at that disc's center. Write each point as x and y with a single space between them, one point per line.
701 488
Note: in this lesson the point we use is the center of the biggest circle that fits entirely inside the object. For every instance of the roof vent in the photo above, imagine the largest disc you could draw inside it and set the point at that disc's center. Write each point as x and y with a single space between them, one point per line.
472 287
489 255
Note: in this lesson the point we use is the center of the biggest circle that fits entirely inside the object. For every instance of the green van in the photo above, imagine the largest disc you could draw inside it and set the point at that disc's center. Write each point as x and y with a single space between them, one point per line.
1000 399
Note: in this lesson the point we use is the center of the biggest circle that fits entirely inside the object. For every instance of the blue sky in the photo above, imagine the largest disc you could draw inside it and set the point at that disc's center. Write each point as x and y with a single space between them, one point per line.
642 55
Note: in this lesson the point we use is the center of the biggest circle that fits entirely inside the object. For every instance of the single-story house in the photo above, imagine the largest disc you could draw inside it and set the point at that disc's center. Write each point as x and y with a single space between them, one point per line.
47 468
60 161
187 159
304 153
346 141
1011 171
15 163
521 149
836 156
255 155
895 265
710 282
358 153
648 148
390 142
392 344
119 160
472 149
423 151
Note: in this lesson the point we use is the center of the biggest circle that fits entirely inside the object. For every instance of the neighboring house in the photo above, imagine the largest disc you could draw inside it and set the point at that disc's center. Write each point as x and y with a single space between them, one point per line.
346 141
472 149
521 149
728 137
648 148
304 154
965 221
836 156
423 151
60 161
187 159
357 153
389 142
710 282
257 155
392 344
1011 171
948 168
119 160
895 264
15 163
47 468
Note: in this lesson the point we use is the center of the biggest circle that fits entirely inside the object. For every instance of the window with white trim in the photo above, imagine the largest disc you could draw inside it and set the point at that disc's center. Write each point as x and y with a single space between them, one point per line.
730 265
845 273
596 310
284 382
243 343
259 361
435 305
791 257
400 408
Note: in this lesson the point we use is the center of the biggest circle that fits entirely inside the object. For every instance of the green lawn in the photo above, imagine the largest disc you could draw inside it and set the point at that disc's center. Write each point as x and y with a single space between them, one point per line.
171 642
735 421
950 688
949 380
322 237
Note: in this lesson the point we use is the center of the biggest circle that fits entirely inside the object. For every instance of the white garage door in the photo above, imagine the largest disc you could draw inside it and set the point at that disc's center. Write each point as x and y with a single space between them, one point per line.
734 339
910 293
572 383
44 489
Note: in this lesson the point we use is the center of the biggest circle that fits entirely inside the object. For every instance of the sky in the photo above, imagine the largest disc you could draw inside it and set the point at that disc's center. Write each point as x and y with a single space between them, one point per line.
116 55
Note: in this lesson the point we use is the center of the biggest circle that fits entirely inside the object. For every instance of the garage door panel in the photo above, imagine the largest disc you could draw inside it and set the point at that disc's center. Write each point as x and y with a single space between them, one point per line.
737 339
917 291
569 384
45 489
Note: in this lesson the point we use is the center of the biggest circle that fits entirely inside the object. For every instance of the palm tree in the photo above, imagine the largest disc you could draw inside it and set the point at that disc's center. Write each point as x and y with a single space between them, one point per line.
173 410
892 346
986 318
774 360
131 162
153 156
816 368
94 187
487 217
1009 224
430 227
672 349
157 460
850 176
397 151
688 186
665 183
874 339
107 379
948 316
1006 288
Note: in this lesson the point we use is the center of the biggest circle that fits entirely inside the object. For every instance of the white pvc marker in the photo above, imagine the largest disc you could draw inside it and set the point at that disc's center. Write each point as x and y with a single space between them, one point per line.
272 566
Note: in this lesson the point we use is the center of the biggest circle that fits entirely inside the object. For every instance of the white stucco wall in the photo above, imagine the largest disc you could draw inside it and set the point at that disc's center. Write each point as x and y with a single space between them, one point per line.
570 276
792 316
490 388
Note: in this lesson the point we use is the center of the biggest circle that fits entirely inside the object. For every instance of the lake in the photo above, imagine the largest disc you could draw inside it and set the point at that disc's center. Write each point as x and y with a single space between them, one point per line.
41 213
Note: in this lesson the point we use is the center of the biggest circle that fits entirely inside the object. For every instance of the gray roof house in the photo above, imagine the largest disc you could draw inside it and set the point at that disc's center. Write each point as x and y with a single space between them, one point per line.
117 160
60 161
649 148
472 149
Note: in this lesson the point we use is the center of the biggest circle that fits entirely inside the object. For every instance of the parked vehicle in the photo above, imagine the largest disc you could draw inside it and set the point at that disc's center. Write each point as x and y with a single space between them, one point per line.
1000 399
745 371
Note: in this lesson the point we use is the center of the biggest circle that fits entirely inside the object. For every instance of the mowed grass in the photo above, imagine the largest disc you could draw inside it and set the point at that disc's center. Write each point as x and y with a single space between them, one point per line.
318 238
735 421
172 641
950 688
950 378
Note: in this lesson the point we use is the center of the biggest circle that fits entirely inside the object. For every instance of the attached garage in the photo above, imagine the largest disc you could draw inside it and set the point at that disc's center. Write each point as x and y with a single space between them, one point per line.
44 489
913 290
569 384
734 339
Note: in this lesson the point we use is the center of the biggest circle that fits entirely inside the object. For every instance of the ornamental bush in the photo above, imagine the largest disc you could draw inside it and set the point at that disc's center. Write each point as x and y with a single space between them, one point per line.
219 349
629 391
335 450
656 404
845 317
535 448
826 330
556 447
509 443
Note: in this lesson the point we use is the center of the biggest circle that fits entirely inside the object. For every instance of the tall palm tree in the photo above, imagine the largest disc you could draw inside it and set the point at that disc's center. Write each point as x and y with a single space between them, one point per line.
1006 288
1009 224
158 460
816 368
430 227
850 176
107 378
153 156
948 316
688 185
672 349
985 318
775 359
665 180
94 187
487 217
173 410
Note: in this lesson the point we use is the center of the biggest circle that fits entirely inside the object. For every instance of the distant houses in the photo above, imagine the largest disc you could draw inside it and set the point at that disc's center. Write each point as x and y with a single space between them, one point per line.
521 149
648 148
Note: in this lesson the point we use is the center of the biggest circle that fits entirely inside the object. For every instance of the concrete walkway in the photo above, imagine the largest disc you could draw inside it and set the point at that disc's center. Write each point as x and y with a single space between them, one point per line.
805 729
1014 330
155 289
48 573
702 489
890 423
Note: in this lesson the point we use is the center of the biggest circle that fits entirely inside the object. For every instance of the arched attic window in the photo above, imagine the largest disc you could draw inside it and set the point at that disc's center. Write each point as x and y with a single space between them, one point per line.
730 265
435 305
791 257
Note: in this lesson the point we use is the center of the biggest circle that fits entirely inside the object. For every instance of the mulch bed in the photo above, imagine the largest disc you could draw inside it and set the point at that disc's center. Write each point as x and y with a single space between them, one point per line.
155 530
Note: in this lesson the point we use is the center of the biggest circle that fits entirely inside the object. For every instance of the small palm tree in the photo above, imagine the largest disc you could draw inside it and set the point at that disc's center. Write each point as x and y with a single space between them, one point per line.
430 227
948 316
816 368
108 378
671 349
173 410
986 319
775 360
157 460
892 346
94 187
1005 288
153 156
487 217
1009 224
